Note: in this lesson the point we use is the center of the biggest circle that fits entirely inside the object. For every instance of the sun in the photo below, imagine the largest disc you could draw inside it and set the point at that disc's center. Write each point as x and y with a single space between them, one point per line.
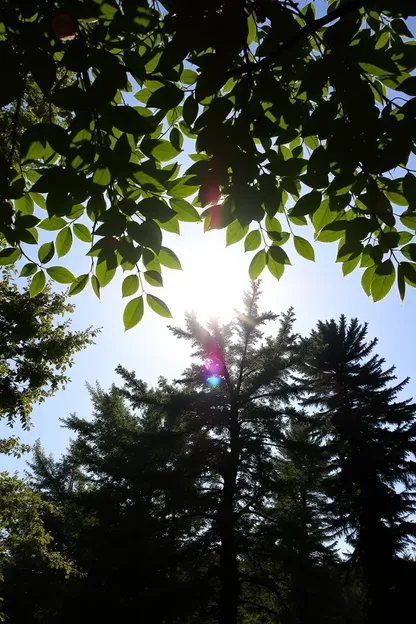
212 282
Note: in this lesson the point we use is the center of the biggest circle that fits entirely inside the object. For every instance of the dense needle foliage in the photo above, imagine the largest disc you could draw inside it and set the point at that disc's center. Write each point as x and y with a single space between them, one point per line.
222 497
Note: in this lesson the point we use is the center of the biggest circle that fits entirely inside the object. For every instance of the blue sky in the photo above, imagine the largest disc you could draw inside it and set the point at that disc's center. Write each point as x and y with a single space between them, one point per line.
212 282
213 279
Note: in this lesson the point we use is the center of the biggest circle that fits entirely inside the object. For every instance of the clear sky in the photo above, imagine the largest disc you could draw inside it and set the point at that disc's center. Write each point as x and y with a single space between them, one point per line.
212 282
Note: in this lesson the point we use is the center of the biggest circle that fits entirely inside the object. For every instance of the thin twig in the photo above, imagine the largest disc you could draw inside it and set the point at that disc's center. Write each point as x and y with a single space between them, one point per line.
310 29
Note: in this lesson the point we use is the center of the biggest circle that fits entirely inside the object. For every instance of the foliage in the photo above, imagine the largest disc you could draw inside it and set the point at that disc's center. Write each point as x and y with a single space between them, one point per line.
22 531
293 118
370 437
219 497
35 350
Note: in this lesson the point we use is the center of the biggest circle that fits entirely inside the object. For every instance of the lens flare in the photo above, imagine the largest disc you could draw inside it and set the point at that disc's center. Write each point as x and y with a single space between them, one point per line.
214 381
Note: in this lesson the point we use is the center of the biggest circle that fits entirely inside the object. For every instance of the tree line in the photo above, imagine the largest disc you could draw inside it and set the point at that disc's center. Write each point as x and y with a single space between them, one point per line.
273 483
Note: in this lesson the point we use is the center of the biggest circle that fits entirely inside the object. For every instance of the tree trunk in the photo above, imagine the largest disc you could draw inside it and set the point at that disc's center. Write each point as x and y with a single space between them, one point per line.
229 584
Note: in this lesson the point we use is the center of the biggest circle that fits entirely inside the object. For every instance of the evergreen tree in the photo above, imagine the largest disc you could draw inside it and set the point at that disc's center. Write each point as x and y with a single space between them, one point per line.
239 390
370 436
128 493
295 531
36 347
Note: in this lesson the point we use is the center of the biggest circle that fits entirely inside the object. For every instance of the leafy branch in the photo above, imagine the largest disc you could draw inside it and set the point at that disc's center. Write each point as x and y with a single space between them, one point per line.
310 29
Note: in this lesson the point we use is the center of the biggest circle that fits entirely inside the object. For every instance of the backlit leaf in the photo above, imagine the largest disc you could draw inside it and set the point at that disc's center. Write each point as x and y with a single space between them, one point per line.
235 232
158 306
130 285
133 312
37 284
252 240
153 278
307 204
383 279
169 259
82 232
60 274
79 284
304 248
257 265
9 255
28 269
63 242
46 252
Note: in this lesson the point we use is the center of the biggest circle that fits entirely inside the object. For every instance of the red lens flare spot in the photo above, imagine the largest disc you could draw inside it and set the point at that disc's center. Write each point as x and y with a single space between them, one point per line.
209 193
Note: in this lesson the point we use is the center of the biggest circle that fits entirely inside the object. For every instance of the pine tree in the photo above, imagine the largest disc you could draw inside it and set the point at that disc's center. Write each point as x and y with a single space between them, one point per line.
131 512
238 391
294 529
370 436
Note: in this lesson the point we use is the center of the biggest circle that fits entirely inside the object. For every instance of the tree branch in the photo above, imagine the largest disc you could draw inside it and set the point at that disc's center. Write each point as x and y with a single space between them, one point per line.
310 29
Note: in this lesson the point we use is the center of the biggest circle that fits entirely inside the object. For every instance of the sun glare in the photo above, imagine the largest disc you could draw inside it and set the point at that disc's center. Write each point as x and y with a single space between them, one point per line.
212 281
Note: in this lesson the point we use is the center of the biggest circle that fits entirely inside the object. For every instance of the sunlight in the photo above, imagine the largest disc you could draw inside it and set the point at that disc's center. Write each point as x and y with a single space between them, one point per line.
213 280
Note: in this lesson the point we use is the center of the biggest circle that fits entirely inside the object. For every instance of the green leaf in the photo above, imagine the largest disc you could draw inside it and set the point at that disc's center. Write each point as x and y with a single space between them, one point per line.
130 285
396 198
185 211
154 208
409 188
166 97
183 187
169 259
170 226
52 224
307 204
409 251
349 266
176 138
102 176
60 274
46 252
383 279
401 282
95 285
133 312
104 272
158 306
37 284
129 120
252 240
257 265
408 220
235 232
39 200
304 248
64 242
409 272
366 280
276 268
279 255
160 149
190 110
79 284
24 205
189 77
9 255
29 269
82 232
147 234
153 278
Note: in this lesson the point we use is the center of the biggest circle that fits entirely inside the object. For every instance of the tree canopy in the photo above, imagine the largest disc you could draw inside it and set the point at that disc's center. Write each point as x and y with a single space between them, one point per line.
36 348
287 118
